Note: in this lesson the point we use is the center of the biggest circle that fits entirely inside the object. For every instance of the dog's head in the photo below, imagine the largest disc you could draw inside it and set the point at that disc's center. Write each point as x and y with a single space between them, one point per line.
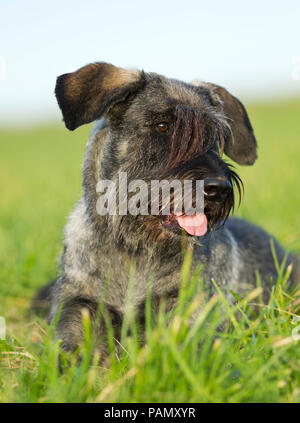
163 129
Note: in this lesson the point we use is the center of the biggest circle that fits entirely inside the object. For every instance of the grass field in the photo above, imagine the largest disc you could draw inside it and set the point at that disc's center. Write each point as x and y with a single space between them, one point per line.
254 360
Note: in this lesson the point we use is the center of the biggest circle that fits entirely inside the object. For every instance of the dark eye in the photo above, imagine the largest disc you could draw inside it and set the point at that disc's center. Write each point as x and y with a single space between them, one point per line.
162 127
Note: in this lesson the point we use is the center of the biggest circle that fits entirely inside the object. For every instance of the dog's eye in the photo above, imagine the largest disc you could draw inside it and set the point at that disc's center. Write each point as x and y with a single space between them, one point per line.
162 127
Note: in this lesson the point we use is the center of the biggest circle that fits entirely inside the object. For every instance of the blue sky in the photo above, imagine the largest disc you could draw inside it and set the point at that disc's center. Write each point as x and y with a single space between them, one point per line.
247 46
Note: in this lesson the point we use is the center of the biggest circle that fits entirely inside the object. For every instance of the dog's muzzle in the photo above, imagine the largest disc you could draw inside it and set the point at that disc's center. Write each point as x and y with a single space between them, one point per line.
218 196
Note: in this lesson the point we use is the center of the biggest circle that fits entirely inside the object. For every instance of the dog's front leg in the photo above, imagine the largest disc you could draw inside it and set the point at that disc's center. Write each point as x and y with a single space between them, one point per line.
70 324
70 328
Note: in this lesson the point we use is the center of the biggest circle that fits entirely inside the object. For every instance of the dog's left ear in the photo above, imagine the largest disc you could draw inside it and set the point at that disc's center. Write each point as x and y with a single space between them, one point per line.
241 144
90 92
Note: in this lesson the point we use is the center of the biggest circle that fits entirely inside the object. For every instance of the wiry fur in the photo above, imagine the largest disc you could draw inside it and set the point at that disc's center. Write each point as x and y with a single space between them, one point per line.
100 252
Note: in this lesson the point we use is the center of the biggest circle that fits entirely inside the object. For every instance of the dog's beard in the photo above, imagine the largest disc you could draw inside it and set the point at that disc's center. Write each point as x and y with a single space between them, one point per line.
214 215
135 231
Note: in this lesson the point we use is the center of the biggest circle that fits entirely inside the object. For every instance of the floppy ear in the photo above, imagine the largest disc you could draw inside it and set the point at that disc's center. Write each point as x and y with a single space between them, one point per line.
241 144
91 91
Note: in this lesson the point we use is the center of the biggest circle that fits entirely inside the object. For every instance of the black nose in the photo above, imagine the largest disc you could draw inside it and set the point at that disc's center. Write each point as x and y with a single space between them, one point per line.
217 189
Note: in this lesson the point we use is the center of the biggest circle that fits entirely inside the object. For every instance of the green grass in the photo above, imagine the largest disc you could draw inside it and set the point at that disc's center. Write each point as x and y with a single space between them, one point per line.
252 360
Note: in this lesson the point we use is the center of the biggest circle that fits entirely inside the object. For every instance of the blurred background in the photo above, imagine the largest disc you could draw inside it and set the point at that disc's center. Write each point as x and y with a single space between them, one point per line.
252 48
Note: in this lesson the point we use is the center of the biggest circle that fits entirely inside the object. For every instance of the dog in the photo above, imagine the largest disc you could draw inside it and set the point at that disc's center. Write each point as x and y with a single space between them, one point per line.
150 128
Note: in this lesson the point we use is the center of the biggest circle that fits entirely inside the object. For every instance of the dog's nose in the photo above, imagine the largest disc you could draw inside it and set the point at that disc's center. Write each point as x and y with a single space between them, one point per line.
217 189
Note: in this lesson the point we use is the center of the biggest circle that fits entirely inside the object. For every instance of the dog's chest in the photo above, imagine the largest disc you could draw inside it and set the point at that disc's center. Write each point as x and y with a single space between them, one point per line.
129 281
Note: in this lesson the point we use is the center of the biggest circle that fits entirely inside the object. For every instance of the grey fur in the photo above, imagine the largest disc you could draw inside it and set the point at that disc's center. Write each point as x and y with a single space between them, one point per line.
99 250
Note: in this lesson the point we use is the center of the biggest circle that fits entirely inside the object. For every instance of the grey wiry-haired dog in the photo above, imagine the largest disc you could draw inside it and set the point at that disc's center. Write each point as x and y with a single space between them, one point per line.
154 128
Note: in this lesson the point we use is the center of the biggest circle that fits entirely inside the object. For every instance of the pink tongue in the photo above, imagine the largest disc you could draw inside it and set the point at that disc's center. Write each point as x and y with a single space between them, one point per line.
195 224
